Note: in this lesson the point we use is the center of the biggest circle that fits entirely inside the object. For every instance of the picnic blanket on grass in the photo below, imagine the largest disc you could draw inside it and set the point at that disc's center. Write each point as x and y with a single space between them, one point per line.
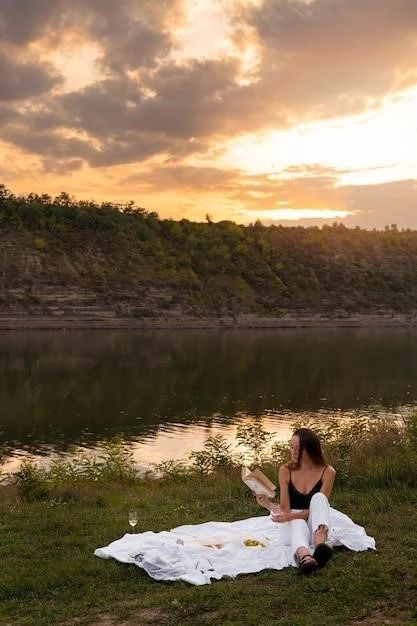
201 552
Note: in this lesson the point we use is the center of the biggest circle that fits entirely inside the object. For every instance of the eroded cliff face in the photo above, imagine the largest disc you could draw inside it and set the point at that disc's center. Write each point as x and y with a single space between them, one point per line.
73 301
91 279
77 263
40 279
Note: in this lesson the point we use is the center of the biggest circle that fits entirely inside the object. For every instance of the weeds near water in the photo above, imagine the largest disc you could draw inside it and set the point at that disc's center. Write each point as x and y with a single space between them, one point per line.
378 453
170 470
254 438
216 454
115 465
381 452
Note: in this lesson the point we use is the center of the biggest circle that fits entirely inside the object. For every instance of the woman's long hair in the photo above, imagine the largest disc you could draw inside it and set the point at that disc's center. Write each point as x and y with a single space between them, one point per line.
310 443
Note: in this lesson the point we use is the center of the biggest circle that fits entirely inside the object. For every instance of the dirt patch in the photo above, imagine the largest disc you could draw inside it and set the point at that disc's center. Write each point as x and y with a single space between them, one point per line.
208 616
142 617
382 619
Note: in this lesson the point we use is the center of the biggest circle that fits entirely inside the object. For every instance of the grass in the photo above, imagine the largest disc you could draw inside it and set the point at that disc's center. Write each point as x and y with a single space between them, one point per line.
52 520
50 576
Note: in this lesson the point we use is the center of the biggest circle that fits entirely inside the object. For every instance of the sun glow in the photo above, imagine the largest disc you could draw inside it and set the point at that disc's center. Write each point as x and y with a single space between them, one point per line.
216 16
370 148
78 65
192 34
297 214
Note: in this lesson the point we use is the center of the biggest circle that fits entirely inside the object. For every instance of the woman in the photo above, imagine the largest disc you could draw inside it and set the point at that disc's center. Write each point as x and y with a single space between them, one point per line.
305 484
186 552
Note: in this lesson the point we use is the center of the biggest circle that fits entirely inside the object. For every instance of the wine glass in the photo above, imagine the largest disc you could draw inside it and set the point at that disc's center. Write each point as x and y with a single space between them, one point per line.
275 509
133 519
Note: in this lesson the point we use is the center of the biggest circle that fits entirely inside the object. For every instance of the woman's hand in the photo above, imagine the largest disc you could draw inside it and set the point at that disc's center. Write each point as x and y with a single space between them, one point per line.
281 517
262 500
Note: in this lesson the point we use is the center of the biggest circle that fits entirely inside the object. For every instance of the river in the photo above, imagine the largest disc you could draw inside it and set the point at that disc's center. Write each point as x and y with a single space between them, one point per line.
165 392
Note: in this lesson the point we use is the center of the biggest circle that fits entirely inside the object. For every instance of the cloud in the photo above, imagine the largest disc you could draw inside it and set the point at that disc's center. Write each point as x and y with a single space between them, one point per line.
186 178
317 59
369 206
28 20
116 118
253 192
132 35
376 206
298 187
113 151
310 186
49 144
7 115
146 104
184 101
190 99
62 168
320 59
333 57
23 79
121 124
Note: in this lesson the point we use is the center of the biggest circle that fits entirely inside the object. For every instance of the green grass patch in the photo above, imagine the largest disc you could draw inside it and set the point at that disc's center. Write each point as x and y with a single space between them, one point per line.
52 520
50 576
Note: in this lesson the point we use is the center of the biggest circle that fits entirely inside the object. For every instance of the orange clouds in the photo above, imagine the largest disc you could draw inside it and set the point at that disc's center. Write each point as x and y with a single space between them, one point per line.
165 87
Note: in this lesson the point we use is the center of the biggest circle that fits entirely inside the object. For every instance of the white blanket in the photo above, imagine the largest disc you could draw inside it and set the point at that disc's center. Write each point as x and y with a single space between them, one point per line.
198 553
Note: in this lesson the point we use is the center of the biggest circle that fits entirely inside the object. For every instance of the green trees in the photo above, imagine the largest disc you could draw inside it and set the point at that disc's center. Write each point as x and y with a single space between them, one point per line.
214 268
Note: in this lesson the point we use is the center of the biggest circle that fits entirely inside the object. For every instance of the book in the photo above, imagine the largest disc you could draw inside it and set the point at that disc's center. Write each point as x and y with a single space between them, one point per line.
258 482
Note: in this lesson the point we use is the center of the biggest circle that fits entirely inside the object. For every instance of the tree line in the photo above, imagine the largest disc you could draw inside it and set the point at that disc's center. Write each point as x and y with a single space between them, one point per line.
219 267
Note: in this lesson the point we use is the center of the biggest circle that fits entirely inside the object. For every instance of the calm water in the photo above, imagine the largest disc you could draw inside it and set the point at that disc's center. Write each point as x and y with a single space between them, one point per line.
166 391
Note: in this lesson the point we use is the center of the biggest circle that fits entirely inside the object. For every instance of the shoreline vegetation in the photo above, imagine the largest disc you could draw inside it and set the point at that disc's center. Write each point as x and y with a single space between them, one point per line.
80 264
52 520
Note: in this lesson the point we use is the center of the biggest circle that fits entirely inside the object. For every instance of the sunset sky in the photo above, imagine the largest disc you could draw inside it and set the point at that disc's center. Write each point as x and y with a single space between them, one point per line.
287 111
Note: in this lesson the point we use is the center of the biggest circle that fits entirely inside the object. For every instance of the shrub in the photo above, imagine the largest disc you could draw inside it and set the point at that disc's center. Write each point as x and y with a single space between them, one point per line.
216 454
32 481
254 437
168 470
113 465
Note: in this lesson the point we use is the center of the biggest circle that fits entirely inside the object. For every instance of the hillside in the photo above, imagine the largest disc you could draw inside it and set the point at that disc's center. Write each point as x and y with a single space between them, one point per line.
65 259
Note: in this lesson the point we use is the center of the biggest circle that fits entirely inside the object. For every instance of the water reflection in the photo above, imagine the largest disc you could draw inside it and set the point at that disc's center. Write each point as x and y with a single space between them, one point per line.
60 389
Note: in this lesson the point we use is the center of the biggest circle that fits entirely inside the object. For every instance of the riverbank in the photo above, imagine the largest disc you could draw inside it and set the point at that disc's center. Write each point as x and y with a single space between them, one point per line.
50 576
386 320
53 520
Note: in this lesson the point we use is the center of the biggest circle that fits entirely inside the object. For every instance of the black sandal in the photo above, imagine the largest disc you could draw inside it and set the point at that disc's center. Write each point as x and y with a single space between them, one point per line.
307 564
322 554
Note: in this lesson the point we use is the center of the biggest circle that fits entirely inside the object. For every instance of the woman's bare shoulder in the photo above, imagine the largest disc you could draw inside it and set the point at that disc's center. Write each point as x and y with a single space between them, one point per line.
284 471
330 471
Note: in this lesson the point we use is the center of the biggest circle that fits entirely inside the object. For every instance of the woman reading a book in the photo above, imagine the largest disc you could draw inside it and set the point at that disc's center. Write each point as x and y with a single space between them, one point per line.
305 485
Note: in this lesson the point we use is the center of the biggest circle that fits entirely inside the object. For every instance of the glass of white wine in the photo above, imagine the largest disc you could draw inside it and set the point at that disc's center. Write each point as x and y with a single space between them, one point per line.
275 509
133 519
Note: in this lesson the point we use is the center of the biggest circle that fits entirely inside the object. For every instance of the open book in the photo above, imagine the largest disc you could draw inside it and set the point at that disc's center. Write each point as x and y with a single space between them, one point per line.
258 482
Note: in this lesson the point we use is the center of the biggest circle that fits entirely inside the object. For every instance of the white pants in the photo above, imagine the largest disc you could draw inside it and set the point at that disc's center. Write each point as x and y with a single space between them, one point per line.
299 532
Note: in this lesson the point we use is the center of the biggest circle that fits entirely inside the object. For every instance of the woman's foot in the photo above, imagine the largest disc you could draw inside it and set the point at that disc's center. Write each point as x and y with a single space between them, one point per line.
320 535
322 554
307 564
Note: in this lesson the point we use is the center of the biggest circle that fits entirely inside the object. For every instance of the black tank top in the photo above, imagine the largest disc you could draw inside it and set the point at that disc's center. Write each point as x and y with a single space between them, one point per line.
302 500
